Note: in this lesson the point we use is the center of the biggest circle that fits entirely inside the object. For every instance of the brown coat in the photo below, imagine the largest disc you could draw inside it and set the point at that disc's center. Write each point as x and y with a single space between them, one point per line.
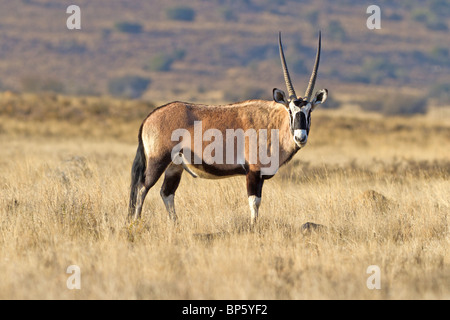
252 114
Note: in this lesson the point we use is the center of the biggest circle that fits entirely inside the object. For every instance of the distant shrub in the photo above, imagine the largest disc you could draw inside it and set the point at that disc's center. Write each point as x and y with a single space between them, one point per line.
179 54
375 70
228 14
256 53
46 106
396 104
436 25
163 62
39 84
431 20
440 54
181 13
128 27
336 31
277 2
421 15
441 92
68 47
440 7
394 16
245 94
128 86
106 33
331 103
88 89
298 66
312 17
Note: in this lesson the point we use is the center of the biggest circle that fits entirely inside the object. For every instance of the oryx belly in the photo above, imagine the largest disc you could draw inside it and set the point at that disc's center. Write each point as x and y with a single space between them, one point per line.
216 171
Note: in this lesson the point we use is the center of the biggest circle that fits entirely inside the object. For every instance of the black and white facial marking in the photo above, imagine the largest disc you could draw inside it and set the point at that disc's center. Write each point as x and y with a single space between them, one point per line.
300 121
300 113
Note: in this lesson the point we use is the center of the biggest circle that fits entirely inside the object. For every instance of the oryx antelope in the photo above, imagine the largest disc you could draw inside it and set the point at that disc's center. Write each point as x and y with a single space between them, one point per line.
289 116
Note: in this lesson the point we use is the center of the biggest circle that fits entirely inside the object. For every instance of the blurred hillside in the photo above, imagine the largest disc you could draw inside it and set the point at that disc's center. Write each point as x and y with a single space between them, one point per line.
226 50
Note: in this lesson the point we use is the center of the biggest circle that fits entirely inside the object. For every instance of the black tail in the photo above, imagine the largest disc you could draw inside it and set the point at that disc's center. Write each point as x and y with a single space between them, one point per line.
137 174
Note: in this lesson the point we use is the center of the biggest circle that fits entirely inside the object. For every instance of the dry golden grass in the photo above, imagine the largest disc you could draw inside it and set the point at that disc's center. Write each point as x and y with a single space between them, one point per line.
380 186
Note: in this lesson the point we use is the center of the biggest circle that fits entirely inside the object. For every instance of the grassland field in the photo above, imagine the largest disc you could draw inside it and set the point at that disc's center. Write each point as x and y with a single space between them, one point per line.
379 185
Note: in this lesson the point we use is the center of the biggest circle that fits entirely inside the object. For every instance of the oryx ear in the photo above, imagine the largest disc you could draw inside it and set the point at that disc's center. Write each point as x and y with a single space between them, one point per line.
280 97
320 97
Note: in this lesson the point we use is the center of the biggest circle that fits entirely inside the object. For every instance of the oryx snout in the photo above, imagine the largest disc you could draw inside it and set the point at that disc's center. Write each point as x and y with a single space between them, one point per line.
300 137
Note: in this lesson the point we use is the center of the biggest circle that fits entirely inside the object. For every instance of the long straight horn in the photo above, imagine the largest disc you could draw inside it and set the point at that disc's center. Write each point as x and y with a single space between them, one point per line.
287 78
313 78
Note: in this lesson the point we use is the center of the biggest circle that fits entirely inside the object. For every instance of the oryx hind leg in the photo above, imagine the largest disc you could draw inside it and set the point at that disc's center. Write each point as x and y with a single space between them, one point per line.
141 194
171 182
154 170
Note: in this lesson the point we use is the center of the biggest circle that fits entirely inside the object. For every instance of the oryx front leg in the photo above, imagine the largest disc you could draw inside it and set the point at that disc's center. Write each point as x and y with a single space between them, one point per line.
171 182
254 191
169 202
254 203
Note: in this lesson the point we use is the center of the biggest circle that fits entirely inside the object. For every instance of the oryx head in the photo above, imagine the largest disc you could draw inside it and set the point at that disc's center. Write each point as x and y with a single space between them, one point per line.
300 108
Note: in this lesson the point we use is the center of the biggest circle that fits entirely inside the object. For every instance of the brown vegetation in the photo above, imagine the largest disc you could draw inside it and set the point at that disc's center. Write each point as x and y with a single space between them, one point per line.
227 46
380 187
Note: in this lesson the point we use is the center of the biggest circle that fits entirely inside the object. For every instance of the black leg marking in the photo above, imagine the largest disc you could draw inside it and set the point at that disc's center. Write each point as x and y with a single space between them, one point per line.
254 184
171 182
254 192
154 170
